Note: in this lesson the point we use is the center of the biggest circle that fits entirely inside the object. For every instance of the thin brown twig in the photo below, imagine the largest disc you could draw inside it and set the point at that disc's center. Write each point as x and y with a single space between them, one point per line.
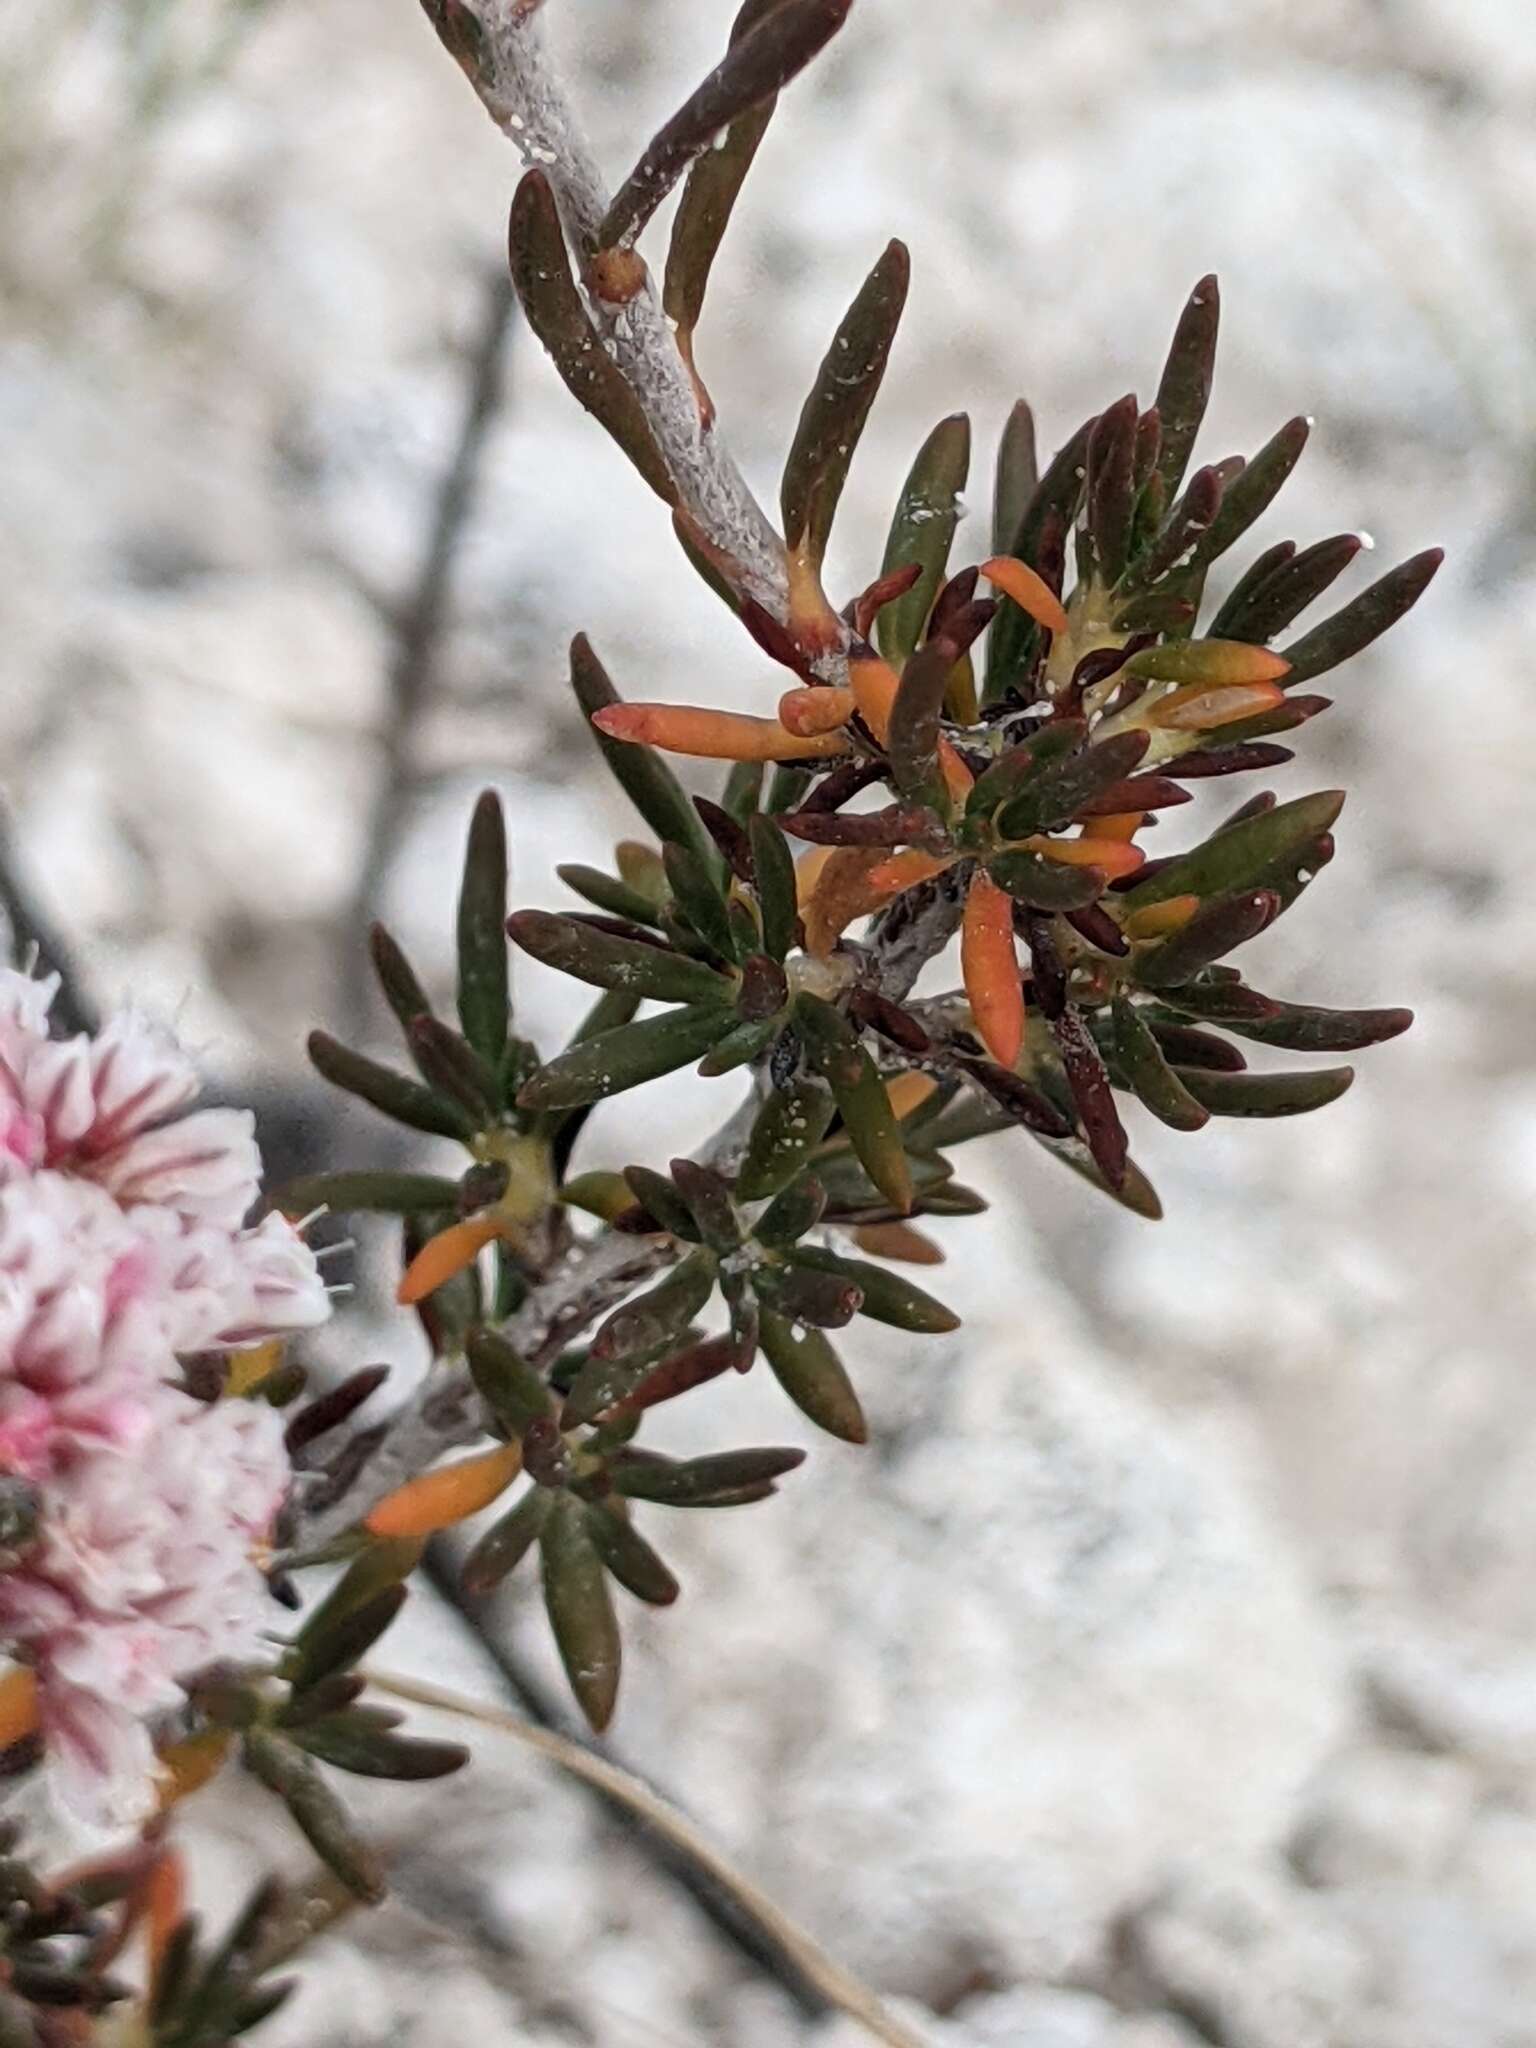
441 1569
841 1989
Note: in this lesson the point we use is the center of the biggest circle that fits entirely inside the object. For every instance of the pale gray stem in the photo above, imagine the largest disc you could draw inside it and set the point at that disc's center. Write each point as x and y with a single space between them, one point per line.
524 95
916 929
446 1411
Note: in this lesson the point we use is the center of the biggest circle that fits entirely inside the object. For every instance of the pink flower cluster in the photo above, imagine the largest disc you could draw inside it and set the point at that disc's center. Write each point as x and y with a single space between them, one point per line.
123 1251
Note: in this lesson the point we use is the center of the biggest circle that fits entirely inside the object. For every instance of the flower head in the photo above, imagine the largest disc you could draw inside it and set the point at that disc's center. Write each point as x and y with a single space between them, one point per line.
123 1251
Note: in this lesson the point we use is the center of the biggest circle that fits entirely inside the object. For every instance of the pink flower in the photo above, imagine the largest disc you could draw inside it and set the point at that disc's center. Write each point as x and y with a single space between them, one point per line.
143 1575
122 1252
110 1108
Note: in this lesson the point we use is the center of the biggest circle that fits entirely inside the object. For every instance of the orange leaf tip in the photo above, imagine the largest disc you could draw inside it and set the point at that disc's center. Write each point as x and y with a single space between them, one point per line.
811 710
713 735
908 1092
1119 825
185 1767
19 1712
1029 591
451 1493
444 1255
904 870
1115 856
874 685
165 1900
1157 920
990 969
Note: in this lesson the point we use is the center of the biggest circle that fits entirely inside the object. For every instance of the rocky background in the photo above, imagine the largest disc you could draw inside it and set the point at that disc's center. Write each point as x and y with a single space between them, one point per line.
1163 1675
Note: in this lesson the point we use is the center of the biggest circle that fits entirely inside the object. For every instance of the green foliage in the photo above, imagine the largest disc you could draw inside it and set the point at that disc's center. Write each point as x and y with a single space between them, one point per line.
1111 691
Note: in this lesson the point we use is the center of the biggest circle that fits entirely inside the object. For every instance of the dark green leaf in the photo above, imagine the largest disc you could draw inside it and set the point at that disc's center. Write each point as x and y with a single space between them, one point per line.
1015 769
1136 1192
1244 855
790 1125
888 1297
1053 796
811 1373
397 978
742 797
1112 487
725 1479
607 961
1363 620
320 1816
708 1195
1266 1094
611 1010
260 2005
709 196
350 1743
1300 1027
861 1098
1015 478
913 740
453 1067
923 531
374 1571
696 896
1253 490
173 1978
484 993
658 1196
389 1194
342 1638
1167 555
580 1609
394 1095
791 1214
1053 507
1156 611
745 1042
541 271
1185 390
653 1319
758 63
640 771
799 1293
1149 1074
838 405
630 1558
607 893
514 1393
507 1542
773 866
1258 613
693 1366
786 788
616 1060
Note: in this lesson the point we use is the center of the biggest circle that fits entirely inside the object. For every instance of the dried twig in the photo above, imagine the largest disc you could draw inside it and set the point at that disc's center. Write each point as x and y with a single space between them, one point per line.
839 1987
720 1906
